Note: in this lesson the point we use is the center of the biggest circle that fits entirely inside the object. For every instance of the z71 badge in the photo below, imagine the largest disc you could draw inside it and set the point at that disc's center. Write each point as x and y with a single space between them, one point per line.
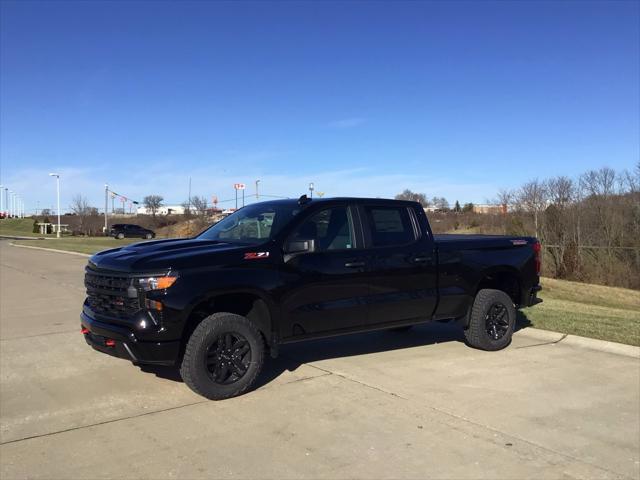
256 255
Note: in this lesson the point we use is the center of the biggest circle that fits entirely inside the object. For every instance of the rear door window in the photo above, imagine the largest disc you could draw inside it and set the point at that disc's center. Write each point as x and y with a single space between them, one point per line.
390 226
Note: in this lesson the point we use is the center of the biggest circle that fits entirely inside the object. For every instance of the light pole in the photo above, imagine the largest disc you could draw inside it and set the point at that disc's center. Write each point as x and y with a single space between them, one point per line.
311 189
6 200
11 204
1 199
106 207
257 182
57 175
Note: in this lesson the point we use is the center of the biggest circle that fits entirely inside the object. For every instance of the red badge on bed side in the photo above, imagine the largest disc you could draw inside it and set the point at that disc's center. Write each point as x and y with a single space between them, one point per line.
255 255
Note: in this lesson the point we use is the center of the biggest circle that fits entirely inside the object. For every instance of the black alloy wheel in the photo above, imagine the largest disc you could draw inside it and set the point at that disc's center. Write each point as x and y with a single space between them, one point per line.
491 321
228 358
223 356
497 321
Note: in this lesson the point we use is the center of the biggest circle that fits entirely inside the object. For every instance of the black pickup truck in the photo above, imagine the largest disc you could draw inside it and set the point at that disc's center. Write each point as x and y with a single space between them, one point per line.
289 270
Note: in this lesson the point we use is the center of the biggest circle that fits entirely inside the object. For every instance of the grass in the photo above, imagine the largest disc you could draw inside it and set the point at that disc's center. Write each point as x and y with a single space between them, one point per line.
596 311
22 227
88 245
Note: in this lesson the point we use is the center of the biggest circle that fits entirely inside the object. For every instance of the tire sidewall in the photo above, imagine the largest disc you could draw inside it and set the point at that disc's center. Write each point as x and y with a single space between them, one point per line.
483 302
203 337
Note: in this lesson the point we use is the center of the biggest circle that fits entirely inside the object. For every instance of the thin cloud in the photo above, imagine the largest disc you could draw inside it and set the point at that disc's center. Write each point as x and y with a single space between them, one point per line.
346 122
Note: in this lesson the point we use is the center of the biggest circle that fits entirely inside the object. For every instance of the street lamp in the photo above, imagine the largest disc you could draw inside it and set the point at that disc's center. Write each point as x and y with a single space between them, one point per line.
311 189
11 204
257 182
57 175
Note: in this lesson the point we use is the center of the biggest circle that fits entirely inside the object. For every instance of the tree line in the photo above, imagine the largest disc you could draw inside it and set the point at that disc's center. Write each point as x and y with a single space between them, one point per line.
589 225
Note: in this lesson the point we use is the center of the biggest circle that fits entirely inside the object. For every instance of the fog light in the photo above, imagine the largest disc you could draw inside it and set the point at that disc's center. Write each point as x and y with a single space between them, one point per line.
154 305
110 343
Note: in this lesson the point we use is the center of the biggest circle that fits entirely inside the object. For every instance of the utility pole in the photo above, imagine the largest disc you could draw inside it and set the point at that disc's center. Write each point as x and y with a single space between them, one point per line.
57 175
106 207
189 203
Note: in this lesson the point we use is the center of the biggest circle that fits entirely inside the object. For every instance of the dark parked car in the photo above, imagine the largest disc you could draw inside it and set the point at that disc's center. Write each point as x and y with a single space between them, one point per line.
126 230
290 270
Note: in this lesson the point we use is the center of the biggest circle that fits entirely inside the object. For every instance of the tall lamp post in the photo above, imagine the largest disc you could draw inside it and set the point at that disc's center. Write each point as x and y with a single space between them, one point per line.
257 182
57 175
311 189
12 198
1 200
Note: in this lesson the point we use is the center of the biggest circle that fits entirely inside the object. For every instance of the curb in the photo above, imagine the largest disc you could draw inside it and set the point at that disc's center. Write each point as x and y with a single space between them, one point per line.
51 250
18 237
583 342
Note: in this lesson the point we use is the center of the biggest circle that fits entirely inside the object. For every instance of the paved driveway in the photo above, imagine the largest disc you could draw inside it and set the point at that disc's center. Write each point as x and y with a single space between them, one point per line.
379 405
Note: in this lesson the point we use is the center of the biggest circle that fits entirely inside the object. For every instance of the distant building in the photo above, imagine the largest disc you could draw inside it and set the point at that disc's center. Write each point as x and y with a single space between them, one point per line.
163 210
489 209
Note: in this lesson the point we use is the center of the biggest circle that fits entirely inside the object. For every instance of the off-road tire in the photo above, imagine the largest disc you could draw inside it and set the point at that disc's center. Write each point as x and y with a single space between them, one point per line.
478 333
194 370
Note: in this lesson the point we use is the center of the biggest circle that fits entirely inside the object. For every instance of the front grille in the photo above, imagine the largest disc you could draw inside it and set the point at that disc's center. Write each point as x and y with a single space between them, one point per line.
111 295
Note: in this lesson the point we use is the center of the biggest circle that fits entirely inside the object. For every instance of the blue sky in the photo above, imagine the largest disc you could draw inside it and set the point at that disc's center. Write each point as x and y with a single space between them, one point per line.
454 99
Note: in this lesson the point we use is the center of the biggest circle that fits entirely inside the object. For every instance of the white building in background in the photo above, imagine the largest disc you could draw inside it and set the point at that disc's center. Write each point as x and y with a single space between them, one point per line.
163 210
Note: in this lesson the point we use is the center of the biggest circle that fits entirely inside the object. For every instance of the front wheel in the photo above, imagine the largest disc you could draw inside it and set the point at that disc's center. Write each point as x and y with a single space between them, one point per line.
492 320
223 357
120 236
148 236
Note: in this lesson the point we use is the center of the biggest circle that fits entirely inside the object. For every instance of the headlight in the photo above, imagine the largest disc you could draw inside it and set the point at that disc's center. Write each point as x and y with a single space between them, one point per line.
157 283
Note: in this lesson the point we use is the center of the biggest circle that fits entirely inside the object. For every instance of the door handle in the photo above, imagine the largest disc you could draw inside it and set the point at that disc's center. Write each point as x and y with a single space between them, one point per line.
354 264
421 259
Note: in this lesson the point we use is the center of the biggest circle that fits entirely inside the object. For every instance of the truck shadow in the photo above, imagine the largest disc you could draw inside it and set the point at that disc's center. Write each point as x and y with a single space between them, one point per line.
292 356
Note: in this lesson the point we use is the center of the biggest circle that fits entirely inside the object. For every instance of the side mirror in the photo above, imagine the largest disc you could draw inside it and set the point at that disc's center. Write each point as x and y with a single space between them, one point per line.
300 246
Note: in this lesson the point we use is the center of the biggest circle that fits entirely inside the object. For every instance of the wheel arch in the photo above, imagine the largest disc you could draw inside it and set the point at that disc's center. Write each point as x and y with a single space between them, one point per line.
504 278
253 305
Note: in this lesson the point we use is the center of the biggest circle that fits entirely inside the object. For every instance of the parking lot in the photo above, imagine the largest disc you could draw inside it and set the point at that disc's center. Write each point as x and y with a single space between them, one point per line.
379 405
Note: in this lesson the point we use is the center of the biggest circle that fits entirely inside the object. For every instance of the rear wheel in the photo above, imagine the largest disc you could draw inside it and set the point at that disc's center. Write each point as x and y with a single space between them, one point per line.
148 236
120 236
223 357
492 320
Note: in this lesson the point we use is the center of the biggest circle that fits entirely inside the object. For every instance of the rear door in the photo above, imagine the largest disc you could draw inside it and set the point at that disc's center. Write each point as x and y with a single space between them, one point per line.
326 288
403 267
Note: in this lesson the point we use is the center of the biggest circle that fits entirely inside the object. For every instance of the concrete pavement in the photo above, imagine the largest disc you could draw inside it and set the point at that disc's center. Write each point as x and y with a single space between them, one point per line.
380 405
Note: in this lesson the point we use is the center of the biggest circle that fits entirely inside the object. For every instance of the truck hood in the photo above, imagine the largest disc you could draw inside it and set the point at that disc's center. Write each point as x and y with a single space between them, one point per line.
162 255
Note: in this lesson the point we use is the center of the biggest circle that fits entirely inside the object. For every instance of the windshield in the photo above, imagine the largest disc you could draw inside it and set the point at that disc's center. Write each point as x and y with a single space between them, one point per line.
253 224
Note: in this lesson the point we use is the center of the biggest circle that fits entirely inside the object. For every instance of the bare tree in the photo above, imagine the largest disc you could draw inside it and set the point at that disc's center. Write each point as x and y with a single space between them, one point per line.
413 197
532 198
83 211
505 198
201 209
153 203
440 203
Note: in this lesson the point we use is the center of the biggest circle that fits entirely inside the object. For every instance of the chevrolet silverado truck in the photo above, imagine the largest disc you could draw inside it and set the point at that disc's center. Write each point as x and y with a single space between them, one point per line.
284 271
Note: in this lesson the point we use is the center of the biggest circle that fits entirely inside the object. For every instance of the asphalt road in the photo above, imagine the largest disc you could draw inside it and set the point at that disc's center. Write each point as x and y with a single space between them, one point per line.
381 405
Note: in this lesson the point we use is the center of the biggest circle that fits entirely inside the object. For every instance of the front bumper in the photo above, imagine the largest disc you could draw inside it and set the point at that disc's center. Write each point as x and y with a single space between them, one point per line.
121 342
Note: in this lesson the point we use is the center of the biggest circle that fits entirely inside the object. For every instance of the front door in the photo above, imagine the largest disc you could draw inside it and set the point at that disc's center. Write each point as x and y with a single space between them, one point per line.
327 287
